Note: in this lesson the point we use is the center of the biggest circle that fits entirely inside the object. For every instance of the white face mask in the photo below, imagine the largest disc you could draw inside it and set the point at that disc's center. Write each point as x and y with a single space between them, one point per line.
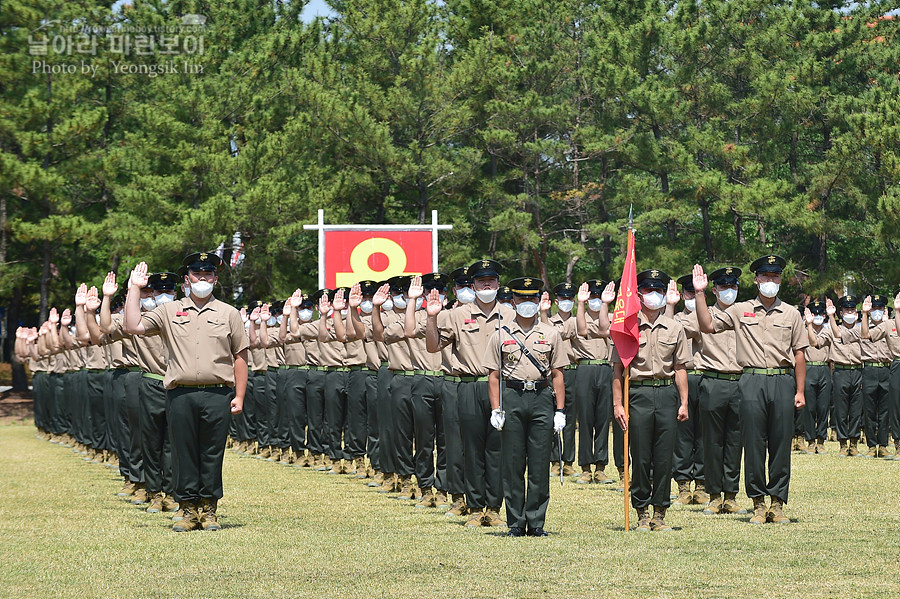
345 312
164 298
400 302
442 297
850 318
202 289
97 318
653 300
148 303
728 296
419 302
366 306
691 305
818 320
272 321
594 304
246 324
280 318
486 295
877 315
508 305
186 289
769 289
565 305
305 314
465 295
388 305
526 309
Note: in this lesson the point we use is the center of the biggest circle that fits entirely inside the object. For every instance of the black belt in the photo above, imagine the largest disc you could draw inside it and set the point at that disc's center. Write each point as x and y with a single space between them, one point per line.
725 376
651 383
526 385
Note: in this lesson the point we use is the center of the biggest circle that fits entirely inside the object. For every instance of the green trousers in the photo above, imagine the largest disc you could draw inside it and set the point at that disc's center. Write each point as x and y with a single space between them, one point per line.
481 446
767 425
316 439
894 399
453 447
568 433
847 393
155 443
385 422
719 417
526 441
593 406
818 398
198 428
428 430
402 424
652 422
875 380
688 459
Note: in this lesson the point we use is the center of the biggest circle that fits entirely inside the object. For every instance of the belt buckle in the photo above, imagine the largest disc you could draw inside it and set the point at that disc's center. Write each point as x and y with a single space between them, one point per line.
529 385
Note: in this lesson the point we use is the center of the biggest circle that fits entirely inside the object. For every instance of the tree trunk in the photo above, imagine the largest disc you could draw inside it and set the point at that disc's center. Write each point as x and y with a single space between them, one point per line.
738 221
707 234
19 379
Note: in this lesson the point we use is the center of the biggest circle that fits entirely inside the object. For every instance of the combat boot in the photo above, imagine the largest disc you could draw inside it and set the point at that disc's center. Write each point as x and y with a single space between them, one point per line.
776 513
586 477
701 497
897 450
854 450
685 497
208 518
759 510
475 518
458 506
127 489
274 454
796 444
265 453
845 450
568 469
621 486
427 500
348 467
554 468
658 522
190 519
600 476
155 506
715 505
441 501
361 470
832 435
883 452
643 520
387 485
376 480
169 504
811 447
492 517
873 452
335 467
406 487
730 505
322 464
140 494
287 457
820 445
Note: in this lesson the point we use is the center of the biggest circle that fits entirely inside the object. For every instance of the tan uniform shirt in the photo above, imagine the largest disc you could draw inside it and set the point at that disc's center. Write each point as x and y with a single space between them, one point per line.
764 338
258 358
469 329
718 351
399 357
661 347
818 354
331 352
201 343
875 348
542 341
94 357
590 347
843 345
692 331
274 351
559 324
151 353
380 348
128 355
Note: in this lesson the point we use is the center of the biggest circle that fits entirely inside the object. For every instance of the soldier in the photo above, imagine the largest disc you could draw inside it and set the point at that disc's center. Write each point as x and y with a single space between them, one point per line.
529 356
719 401
258 380
308 419
818 381
468 329
770 337
876 374
565 301
206 378
894 389
656 405
279 426
292 387
689 457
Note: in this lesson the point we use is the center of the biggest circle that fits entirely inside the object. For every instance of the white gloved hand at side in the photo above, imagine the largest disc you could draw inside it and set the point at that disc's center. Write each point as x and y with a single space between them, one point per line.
498 419
559 422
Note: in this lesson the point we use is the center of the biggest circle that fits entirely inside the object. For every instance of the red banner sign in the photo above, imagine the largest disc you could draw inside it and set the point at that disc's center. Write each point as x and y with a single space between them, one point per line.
354 255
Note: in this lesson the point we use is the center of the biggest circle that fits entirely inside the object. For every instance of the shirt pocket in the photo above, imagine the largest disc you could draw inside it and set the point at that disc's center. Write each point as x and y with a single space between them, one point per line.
781 334
511 355
181 326
542 353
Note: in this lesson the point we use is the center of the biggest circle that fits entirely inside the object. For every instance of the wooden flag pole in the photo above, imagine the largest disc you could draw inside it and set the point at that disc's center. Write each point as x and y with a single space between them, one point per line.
627 479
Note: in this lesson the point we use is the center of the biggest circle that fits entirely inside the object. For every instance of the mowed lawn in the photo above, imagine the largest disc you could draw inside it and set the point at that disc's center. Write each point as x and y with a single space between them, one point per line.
297 533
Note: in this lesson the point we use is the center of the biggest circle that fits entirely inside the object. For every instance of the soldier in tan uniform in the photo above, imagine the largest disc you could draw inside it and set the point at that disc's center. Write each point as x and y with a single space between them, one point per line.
770 337
292 387
818 381
206 378
304 331
564 294
530 354
656 405
876 358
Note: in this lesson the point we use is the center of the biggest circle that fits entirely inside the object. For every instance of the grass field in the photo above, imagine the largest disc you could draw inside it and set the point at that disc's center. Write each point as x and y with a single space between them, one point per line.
296 533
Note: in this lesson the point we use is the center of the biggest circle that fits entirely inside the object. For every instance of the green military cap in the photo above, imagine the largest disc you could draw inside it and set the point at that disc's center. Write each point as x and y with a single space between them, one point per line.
817 307
202 261
307 302
435 280
526 286
596 286
879 300
182 271
484 268
256 304
504 294
848 301
652 279
770 263
163 281
399 284
686 282
368 287
460 278
564 290
726 276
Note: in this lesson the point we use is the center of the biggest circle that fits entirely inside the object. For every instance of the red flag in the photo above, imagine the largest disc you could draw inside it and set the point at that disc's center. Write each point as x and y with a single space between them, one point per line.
624 326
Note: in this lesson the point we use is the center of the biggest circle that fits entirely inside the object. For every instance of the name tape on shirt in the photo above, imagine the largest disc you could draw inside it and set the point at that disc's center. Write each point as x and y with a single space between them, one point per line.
509 342
181 313
471 321
750 314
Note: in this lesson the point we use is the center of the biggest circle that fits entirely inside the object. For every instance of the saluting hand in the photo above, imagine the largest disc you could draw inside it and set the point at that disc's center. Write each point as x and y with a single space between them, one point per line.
545 302
609 293
244 316
324 305
672 295
139 277
434 305
700 279
286 309
897 302
81 295
254 316
867 304
355 298
93 301
66 318
109 285
54 316
415 288
830 310
297 298
381 295
264 314
584 293
808 316
339 303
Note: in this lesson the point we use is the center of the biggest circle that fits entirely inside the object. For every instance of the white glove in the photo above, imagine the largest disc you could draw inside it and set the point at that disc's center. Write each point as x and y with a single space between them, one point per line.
498 419
559 421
